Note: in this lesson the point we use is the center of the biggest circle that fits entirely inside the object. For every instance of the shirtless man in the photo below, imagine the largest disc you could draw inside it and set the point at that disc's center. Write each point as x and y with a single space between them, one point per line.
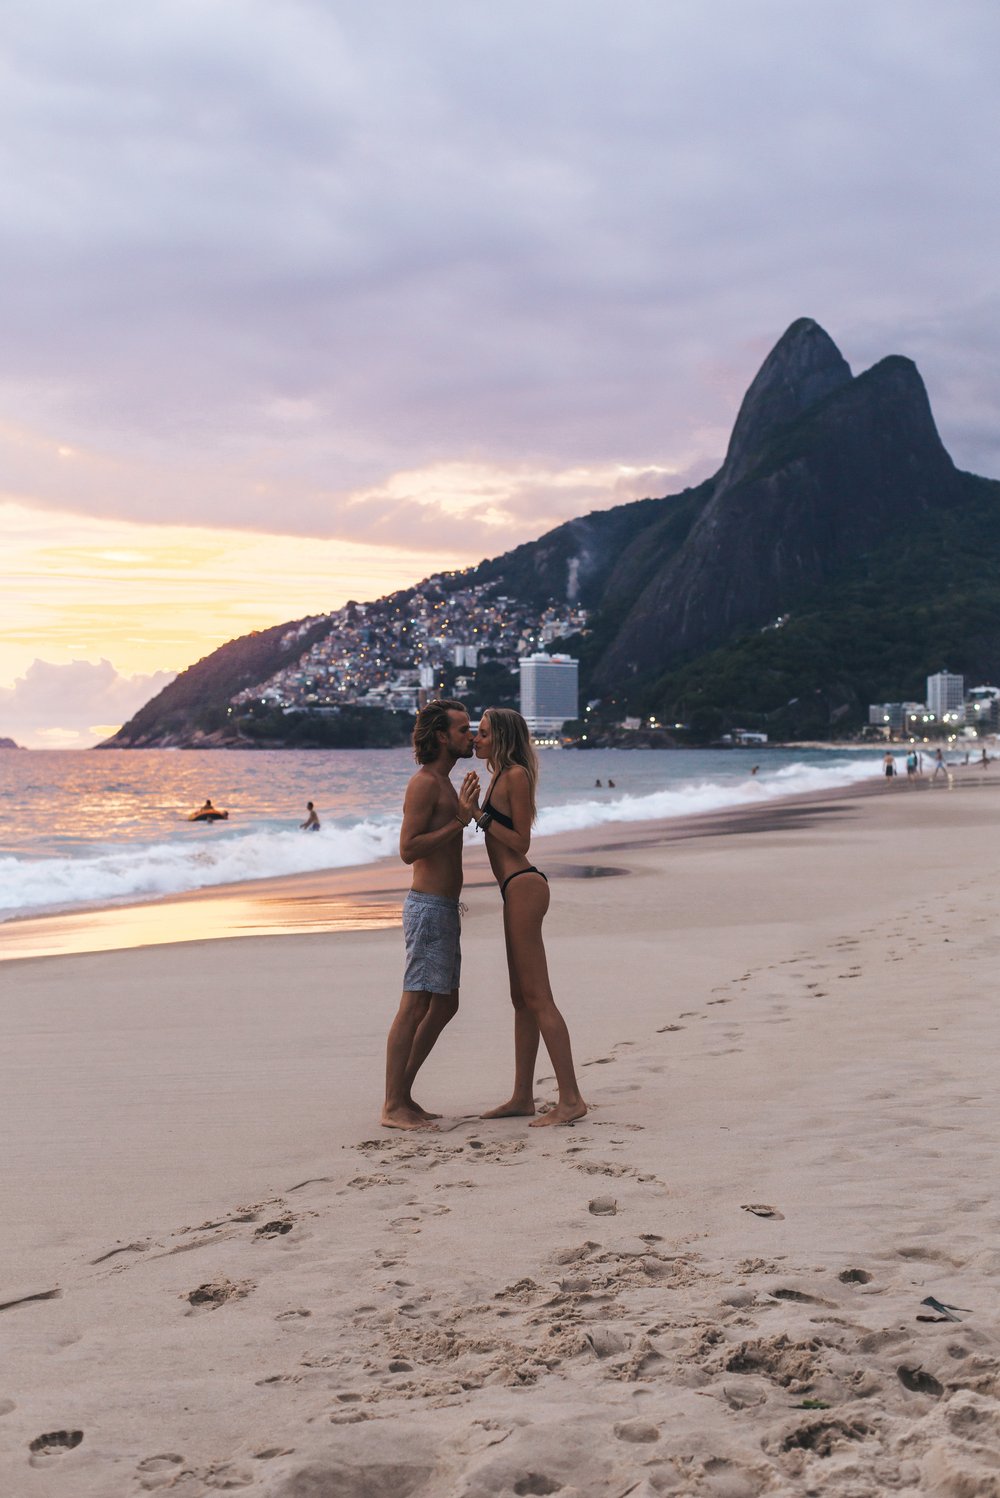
430 840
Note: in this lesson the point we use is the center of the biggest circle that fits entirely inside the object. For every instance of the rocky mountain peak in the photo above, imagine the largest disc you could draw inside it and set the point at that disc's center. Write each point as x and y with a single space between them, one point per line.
803 368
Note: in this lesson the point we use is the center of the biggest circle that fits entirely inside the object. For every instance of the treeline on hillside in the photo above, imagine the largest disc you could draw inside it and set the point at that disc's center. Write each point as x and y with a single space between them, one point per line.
347 728
922 602
195 699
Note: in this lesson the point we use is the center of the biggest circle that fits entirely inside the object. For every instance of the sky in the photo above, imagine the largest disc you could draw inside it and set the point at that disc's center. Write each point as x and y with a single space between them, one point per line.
304 300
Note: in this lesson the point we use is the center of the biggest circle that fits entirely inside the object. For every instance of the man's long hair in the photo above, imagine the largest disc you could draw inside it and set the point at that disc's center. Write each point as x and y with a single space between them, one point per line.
432 720
511 745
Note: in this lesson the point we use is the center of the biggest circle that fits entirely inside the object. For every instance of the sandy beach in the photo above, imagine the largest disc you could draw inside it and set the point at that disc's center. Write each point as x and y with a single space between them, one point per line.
767 1262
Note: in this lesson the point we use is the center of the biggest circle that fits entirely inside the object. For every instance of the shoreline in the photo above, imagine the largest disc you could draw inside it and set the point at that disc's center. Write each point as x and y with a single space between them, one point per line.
357 897
363 897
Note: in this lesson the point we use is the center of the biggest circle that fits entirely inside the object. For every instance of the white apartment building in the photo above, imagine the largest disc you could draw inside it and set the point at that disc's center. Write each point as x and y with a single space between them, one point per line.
549 691
945 693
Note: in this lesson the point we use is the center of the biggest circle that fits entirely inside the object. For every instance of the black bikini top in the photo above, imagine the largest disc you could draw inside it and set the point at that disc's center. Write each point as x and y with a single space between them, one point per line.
498 816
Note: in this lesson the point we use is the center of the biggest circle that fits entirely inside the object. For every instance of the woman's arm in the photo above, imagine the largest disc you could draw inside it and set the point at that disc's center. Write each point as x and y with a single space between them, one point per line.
518 840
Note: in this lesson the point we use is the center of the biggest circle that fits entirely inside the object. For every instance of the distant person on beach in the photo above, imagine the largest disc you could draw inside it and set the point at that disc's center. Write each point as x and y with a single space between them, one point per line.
311 823
507 815
888 765
911 764
430 842
984 759
940 768
597 785
611 784
755 769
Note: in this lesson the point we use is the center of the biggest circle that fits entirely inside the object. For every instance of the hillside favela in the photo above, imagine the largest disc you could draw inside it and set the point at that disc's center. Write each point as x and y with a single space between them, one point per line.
830 582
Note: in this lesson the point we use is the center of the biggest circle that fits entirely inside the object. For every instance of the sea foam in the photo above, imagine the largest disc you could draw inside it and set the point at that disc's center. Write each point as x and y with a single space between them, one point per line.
139 871
698 796
108 875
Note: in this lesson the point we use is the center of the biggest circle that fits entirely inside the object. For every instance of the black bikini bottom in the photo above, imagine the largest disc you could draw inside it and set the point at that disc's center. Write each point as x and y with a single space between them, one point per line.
530 870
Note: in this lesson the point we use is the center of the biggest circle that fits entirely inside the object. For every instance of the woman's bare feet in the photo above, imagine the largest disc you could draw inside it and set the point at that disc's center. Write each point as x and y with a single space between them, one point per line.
562 1113
514 1108
423 1111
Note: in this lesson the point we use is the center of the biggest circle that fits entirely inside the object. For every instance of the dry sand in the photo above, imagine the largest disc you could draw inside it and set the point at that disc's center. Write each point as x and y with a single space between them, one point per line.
219 1274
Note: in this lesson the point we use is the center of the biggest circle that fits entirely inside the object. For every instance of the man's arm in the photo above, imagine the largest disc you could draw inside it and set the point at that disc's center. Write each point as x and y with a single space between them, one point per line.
415 839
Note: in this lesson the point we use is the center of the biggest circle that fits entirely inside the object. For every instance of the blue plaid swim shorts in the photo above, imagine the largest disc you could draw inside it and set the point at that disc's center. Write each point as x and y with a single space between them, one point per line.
432 931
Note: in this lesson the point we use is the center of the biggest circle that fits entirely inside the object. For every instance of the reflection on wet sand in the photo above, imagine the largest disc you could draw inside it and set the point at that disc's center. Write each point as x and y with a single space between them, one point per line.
204 919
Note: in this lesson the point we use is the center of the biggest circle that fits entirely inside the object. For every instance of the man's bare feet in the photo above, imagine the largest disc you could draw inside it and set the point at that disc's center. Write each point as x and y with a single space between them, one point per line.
406 1118
514 1108
562 1113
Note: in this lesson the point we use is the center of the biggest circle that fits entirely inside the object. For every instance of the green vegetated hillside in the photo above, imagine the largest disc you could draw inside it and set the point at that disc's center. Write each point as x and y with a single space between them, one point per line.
926 599
195 706
837 558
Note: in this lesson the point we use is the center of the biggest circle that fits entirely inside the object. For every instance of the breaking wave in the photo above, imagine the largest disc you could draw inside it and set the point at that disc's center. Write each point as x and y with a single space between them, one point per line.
110 874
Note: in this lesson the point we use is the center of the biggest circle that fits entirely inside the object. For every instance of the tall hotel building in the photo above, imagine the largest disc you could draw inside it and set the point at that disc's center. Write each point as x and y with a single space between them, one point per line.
945 693
549 691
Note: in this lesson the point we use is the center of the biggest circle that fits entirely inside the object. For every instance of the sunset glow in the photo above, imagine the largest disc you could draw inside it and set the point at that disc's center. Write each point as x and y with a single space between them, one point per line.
304 305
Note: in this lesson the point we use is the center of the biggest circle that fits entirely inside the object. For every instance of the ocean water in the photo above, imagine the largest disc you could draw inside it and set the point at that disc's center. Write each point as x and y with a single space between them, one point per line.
100 828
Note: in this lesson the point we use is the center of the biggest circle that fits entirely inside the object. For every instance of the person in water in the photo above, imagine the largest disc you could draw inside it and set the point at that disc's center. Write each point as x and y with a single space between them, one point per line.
311 823
506 818
430 841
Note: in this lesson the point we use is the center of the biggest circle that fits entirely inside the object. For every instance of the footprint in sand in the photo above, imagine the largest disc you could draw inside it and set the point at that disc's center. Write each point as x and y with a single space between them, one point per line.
210 1296
761 1209
156 1471
917 1381
824 1435
668 1029
930 1256
799 1297
53 1443
574 1255
603 1206
854 1277
276 1229
6 1406
638 1431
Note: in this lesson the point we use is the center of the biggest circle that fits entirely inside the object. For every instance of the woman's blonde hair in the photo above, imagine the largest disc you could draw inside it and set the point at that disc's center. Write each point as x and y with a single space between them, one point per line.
511 745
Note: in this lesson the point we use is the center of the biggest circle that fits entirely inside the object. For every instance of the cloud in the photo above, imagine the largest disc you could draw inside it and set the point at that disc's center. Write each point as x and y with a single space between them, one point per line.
70 706
271 257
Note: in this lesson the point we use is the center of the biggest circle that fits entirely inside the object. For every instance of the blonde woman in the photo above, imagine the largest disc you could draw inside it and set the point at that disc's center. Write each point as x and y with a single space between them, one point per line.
506 817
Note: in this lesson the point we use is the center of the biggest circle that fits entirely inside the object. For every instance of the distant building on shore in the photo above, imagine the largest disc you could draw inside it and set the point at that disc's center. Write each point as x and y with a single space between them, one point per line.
550 694
982 708
945 693
898 717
